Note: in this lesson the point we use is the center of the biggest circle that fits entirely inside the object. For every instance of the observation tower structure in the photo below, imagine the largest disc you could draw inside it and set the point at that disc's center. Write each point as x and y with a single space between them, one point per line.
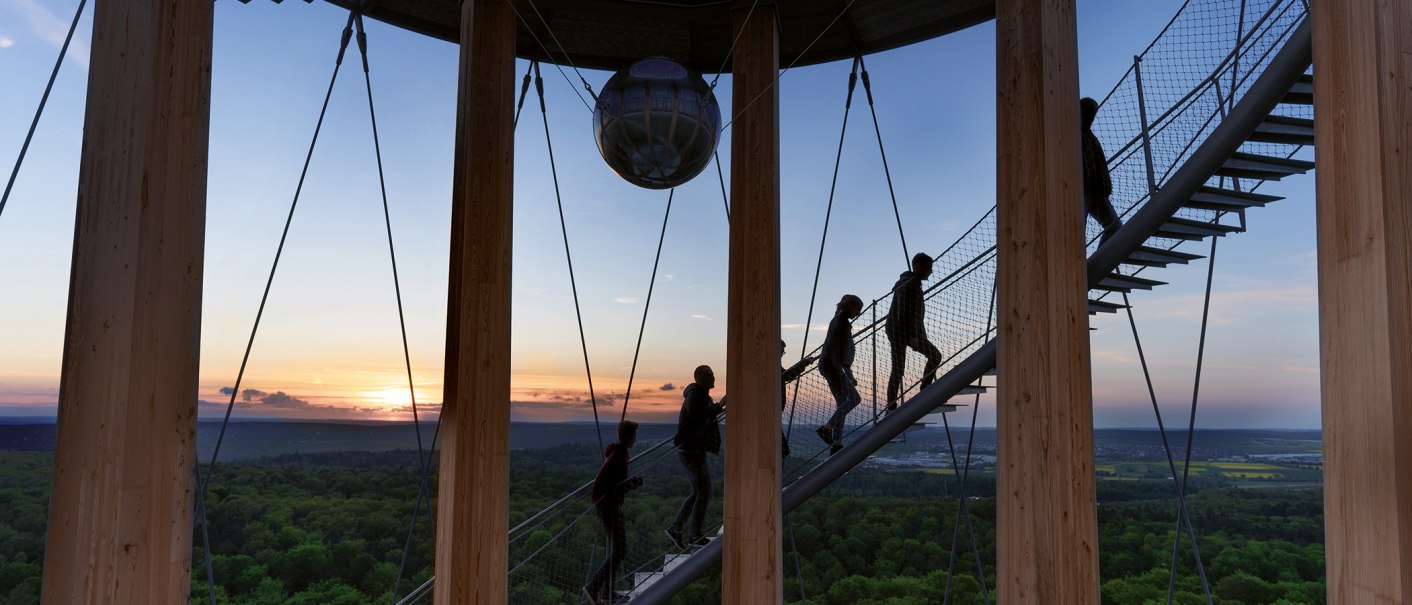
124 489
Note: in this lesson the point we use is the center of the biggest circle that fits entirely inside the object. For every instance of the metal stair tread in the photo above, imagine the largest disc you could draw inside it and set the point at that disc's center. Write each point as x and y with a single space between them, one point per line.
1228 200
1284 129
1134 281
1264 167
1180 228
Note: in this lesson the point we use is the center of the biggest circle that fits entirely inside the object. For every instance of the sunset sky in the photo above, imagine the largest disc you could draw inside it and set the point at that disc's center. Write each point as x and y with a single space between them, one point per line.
329 345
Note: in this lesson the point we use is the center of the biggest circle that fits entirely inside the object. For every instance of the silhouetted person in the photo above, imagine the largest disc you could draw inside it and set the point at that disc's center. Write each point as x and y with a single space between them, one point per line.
787 376
1098 185
904 327
610 487
836 366
697 434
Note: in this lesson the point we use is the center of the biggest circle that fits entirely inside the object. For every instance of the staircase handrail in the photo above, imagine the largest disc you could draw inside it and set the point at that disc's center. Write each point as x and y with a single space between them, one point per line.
1277 78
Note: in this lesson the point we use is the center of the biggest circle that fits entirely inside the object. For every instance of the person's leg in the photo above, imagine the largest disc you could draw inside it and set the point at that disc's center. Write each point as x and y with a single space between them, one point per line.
1101 209
845 394
920 344
595 587
898 347
618 545
690 501
701 489
832 430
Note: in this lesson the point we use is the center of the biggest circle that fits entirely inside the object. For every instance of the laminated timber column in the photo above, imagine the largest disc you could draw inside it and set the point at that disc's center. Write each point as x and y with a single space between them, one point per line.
753 544
474 482
1047 526
1363 134
120 515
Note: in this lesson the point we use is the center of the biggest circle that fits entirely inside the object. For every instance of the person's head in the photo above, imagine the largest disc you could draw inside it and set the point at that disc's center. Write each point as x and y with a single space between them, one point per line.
922 265
627 433
781 347
705 378
849 306
1088 109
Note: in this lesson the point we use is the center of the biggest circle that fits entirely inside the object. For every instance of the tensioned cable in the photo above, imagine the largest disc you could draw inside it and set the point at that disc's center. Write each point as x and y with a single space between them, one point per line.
823 239
568 256
43 100
555 38
791 65
798 571
250 343
725 198
963 474
1195 392
524 90
424 489
734 40
542 47
647 306
868 88
423 456
1182 509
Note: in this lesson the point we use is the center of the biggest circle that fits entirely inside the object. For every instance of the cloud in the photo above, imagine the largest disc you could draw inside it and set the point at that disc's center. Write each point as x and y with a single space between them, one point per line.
793 326
249 394
52 29
227 391
700 317
280 399
667 387
626 300
6 42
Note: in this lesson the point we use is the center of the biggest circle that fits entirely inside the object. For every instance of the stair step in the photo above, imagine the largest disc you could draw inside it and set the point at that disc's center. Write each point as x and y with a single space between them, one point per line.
935 418
1126 283
1149 256
1284 129
973 389
1228 200
1187 229
1302 93
1263 167
672 560
1103 306
641 580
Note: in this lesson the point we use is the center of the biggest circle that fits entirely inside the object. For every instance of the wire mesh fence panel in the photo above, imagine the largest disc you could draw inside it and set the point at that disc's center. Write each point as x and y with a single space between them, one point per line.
1153 119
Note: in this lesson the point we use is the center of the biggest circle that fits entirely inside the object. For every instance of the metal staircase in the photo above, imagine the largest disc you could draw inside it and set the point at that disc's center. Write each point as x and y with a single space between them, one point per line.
1198 185
1137 245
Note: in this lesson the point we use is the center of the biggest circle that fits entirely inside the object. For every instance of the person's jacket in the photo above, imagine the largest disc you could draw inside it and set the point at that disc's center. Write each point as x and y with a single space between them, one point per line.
1098 184
697 430
612 479
837 353
904 317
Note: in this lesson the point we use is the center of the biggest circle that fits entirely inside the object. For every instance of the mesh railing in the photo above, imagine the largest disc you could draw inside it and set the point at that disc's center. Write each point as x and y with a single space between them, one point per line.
1183 83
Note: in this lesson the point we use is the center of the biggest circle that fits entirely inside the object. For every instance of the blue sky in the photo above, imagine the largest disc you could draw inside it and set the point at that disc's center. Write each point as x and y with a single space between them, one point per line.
330 339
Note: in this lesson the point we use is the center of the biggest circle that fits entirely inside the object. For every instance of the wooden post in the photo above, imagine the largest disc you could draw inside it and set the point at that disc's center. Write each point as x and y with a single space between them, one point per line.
474 485
1047 517
753 544
1363 134
120 515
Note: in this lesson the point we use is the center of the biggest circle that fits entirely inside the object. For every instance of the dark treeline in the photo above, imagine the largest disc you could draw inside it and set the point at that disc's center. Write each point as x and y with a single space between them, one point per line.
329 529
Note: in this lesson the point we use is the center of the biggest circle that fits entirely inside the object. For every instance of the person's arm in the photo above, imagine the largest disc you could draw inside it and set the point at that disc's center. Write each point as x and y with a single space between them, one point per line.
796 370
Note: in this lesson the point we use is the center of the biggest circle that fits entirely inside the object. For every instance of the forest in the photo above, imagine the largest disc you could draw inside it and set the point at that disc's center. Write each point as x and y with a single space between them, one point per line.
329 528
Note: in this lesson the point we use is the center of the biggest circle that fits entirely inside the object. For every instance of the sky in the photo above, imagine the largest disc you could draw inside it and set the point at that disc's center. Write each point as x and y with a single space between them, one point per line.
329 344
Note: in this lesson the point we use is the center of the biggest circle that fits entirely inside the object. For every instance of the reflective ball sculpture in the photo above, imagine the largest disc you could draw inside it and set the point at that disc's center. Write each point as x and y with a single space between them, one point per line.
657 123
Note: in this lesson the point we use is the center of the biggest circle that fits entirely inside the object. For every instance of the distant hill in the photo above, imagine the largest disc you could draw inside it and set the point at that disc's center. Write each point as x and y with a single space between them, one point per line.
252 439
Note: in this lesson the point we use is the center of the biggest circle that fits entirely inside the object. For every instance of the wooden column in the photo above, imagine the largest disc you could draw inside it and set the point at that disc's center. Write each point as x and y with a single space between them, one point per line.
1363 130
120 515
753 545
1047 525
474 481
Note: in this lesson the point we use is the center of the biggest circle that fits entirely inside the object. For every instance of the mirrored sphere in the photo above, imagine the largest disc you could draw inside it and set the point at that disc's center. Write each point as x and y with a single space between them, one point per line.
657 123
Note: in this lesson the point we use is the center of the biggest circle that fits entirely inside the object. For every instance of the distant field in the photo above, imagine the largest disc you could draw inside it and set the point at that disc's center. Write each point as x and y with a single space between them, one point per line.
1124 470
